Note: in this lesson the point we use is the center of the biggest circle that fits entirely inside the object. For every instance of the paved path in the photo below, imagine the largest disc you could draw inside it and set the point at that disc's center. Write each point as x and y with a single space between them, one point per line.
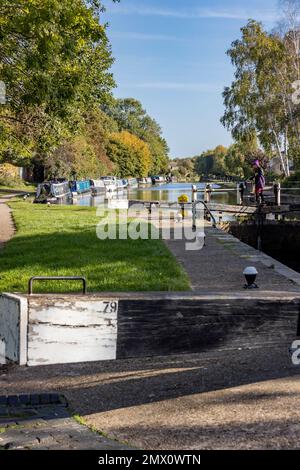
43 422
235 400
221 262
7 228
239 399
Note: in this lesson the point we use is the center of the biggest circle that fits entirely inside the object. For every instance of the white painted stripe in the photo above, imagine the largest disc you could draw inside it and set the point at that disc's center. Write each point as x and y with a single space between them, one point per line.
71 331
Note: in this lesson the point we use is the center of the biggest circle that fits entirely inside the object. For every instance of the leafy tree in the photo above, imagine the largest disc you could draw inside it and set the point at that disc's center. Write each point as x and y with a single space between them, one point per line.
84 155
260 100
130 154
212 162
219 166
130 116
54 59
240 157
204 163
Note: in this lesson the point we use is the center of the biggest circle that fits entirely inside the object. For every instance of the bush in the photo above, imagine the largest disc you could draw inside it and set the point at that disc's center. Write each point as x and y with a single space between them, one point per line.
292 181
9 176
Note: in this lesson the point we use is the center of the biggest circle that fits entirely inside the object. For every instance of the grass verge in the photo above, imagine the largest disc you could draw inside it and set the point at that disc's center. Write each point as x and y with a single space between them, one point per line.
62 241
23 186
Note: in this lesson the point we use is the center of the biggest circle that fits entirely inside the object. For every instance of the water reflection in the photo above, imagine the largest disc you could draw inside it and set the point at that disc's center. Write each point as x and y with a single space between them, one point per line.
165 192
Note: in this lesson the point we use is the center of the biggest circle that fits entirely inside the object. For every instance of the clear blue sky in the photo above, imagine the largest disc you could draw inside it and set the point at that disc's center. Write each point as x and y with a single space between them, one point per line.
171 55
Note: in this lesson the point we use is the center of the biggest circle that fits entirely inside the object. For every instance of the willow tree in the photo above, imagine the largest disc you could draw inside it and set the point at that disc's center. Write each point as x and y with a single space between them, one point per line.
260 100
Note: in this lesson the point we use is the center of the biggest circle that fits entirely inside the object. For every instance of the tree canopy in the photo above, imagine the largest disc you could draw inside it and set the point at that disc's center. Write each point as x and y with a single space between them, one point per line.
130 154
263 99
55 60
130 116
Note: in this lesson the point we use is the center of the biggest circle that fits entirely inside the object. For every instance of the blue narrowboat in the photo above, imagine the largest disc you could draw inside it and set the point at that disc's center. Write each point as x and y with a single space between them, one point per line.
80 187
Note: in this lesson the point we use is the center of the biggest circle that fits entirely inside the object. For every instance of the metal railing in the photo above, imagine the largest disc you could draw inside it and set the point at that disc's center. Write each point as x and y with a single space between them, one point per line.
57 278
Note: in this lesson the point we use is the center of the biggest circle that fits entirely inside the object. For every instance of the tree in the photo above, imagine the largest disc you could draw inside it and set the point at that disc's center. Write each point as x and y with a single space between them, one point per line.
219 165
212 162
130 154
130 116
84 154
257 101
54 59
240 156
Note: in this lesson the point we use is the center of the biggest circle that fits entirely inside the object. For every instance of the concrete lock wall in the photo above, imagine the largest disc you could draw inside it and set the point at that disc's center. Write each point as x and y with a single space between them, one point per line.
52 329
13 328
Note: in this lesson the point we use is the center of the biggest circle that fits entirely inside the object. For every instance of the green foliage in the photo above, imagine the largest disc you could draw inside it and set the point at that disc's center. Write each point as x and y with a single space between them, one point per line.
259 101
184 169
212 162
84 155
55 60
236 161
130 116
292 181
130 154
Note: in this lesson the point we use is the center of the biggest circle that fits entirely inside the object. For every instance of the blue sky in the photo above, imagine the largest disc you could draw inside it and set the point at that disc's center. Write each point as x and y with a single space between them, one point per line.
171 55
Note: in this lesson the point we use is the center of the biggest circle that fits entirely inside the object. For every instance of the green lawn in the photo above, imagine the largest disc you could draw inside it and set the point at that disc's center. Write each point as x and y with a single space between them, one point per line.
20 187
61 240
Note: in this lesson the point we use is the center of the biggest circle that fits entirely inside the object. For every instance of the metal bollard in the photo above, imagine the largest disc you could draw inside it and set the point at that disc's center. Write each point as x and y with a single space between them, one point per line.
194 193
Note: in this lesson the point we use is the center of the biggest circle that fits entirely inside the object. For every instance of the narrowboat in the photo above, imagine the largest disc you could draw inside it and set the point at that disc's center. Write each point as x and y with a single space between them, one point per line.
144 181
110 183
122 184
158 179
80 187
132 182
97 187
52 192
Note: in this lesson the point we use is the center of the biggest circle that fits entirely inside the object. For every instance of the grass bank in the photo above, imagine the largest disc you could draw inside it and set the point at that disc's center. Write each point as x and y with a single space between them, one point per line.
62 241
22 187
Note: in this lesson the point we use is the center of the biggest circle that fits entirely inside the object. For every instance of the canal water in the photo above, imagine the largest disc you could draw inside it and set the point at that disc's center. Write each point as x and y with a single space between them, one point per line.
163 193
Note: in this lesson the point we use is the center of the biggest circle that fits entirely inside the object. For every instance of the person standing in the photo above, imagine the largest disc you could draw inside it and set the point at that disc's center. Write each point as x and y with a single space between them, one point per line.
259 181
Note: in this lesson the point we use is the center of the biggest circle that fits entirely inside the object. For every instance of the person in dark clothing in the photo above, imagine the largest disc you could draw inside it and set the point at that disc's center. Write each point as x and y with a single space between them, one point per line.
259 181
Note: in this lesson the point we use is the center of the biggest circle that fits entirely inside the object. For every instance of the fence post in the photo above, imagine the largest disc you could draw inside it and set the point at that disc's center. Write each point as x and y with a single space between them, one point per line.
194 202
207 194
240 193
277 194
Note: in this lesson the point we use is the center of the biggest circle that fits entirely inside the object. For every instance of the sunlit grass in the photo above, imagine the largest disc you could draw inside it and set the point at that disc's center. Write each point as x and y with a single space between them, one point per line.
22 186
62 241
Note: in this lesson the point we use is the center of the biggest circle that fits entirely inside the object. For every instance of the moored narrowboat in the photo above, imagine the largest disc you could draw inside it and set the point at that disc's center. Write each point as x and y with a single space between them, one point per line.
80 187
97 187
52 192
122 184
144 181
158 179
132 182
110 183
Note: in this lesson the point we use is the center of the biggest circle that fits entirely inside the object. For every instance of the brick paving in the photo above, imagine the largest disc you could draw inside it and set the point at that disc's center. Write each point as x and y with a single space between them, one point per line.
43 422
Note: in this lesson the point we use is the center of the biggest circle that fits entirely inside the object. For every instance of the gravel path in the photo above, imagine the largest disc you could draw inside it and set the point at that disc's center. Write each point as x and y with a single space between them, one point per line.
7 228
